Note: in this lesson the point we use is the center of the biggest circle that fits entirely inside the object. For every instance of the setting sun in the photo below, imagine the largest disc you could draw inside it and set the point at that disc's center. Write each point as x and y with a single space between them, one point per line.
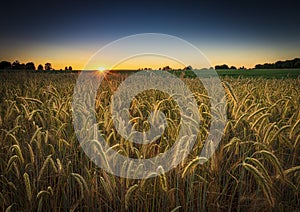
101 69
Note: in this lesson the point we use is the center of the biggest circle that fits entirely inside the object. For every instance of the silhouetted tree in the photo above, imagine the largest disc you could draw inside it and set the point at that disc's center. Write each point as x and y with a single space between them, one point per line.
70 68
48 66
166 68
66 68
284 64
233 67
297 63
17 65
30 66
188 68
5 65
40 67
259 66
269 65
224 66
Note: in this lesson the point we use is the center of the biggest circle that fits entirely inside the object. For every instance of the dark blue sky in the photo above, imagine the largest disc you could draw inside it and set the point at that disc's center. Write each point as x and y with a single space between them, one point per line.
233 32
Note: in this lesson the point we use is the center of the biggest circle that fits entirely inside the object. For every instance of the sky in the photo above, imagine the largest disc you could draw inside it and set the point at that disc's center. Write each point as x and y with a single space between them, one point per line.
65 32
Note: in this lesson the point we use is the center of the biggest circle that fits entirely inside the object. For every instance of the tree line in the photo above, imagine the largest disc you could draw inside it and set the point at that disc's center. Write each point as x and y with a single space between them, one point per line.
16 65
168 68
295 63
224 66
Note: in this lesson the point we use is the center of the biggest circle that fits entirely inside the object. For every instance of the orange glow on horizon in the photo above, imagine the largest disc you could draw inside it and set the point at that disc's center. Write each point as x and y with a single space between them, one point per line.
147 61
78 57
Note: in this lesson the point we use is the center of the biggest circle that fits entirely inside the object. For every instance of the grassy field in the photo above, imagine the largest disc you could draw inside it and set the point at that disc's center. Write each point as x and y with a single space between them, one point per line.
265 73
43 168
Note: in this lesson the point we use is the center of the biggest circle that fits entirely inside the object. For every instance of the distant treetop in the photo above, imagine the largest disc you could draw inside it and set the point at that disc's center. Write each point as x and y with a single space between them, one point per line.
16 65
224 66
295 63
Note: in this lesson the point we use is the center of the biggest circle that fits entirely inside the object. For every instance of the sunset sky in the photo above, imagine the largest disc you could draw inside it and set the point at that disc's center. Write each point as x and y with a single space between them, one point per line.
69 32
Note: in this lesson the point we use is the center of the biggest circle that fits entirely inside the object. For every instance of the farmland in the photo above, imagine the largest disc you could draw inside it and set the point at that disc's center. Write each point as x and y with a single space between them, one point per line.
265 73
256 167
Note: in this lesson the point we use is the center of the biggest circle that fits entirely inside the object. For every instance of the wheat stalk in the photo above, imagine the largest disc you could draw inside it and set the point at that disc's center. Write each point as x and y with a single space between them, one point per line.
27 186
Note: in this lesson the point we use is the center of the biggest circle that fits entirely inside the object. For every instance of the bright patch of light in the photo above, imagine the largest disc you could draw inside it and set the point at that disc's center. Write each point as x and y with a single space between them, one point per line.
101 69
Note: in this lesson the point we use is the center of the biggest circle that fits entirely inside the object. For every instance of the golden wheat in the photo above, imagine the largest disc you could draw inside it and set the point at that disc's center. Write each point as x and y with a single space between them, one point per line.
43 167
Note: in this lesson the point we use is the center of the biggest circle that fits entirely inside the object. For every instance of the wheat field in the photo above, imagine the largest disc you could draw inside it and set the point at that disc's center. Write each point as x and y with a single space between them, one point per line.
43 167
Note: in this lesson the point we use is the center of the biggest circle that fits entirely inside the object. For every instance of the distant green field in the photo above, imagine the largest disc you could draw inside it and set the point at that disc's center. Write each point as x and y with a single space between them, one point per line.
269 73
265 73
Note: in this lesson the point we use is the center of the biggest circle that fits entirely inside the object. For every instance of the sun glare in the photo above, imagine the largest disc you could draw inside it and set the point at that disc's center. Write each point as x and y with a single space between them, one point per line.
101 69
